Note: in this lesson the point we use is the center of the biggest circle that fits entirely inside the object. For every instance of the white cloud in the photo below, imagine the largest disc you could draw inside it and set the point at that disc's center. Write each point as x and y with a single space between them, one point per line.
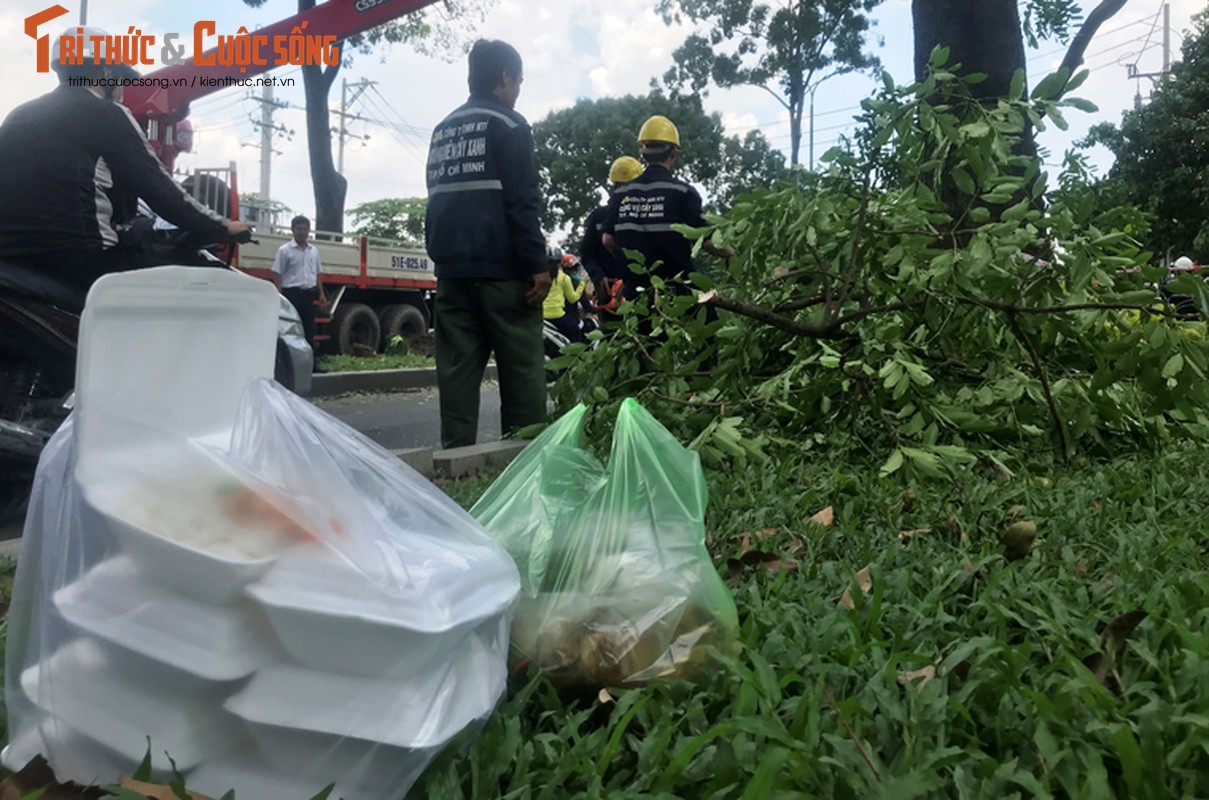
572 49
739 124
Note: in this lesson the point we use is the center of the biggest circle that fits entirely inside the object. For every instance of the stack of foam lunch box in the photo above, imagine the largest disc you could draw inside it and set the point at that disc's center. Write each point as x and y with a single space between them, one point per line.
196 615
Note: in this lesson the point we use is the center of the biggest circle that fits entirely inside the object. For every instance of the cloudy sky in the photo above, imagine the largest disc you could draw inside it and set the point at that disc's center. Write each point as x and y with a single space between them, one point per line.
572 49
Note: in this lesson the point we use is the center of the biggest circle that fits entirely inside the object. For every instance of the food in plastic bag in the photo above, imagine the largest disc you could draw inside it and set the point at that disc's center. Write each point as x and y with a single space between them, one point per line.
617 585
296 609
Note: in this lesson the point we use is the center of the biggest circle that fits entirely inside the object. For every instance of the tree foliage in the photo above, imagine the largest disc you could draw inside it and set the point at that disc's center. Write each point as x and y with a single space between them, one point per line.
867 313
785 47
397 218
1162 152
575 147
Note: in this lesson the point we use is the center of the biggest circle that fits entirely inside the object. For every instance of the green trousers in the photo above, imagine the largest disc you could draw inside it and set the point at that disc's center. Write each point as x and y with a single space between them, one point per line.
474 318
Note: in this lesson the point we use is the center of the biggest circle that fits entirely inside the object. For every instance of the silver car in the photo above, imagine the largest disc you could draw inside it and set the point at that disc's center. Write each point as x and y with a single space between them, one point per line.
295 359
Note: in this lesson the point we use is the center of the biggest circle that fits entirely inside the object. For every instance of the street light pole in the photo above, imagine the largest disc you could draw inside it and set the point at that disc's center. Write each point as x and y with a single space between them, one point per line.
812 88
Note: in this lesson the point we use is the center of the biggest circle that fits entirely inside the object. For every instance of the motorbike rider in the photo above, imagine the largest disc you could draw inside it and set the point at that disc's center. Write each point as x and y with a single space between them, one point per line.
72 164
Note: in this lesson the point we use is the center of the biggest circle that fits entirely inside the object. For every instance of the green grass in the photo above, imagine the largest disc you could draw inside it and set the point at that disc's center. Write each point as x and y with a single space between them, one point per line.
812 703
813 706
371 363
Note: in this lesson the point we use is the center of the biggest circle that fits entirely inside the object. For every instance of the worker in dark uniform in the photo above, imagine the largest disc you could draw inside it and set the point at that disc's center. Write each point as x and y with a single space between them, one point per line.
488 249
642 212
604 268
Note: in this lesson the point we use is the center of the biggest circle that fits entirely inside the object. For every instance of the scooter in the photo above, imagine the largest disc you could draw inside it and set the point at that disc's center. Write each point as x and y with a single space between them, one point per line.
39 330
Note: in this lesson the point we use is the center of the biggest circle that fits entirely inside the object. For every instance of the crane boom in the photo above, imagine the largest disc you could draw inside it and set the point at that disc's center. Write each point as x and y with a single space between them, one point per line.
160 105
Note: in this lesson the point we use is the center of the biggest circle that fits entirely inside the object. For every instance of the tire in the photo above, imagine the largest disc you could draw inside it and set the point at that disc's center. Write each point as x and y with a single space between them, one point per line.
402 319
283 369
356 329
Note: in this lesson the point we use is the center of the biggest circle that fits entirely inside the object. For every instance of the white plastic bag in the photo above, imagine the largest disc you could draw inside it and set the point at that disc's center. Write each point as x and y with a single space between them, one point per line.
297 609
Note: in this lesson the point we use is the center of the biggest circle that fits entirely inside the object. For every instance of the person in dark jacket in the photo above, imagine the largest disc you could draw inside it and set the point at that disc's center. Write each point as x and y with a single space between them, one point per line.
72 163
641 214
488 251
603 267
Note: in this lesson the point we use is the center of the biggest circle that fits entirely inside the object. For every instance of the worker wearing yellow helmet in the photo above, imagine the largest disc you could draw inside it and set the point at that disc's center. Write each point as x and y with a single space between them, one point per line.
642 213
604 269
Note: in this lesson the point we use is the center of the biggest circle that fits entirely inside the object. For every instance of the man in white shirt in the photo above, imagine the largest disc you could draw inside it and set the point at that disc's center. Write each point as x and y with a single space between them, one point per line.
296 275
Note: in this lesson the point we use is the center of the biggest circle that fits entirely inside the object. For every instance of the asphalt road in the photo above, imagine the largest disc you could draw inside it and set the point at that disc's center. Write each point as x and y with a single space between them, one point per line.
408 419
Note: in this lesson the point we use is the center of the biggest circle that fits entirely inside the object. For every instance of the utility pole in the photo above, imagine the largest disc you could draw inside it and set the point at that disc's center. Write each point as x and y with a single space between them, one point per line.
1166 38
1132 69
360 87
267 106
83 13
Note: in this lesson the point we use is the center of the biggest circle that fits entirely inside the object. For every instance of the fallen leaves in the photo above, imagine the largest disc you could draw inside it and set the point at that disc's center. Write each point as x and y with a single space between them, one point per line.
864 581
919 678
37 779
767 560
906 536
770 562
824 518
1106 663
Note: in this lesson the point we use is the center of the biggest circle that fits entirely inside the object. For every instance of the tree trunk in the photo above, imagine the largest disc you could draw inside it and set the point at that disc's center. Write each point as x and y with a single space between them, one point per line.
329 185
795 134
982 36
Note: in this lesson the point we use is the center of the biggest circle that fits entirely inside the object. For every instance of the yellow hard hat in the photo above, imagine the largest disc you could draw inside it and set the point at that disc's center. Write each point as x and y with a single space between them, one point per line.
658 130
625 169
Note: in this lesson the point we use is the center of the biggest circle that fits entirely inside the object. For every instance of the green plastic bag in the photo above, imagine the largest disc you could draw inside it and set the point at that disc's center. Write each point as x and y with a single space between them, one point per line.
617 587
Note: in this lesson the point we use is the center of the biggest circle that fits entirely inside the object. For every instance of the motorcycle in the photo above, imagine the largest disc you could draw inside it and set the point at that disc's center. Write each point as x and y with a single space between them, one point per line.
39 329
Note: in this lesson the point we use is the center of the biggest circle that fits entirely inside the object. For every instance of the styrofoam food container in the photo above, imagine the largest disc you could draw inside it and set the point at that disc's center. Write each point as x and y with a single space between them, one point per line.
404 715
361 769
121 699
329 616
374 737
115 601
167 514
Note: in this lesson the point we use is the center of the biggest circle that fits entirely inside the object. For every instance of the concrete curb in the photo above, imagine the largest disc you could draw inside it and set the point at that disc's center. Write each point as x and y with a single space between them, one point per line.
459 462
327 384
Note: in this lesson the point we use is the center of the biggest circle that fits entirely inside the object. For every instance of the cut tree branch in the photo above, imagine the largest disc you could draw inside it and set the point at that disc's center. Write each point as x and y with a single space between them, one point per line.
1019 333
828 329
1012 309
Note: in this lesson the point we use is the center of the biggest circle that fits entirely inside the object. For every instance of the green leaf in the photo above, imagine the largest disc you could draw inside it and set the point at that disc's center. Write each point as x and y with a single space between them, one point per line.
1016 90
963 180
1173 366
1082 105
893 463
1058 118
1132 763
976 130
